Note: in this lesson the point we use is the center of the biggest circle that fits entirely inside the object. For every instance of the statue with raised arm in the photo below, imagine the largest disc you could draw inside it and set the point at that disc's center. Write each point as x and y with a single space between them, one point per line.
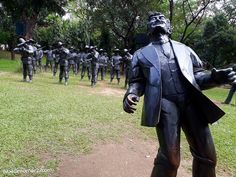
170 76
63 62
26 51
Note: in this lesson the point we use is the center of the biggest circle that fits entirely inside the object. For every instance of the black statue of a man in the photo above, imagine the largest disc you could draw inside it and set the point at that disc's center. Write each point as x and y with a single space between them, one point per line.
170 76
26 51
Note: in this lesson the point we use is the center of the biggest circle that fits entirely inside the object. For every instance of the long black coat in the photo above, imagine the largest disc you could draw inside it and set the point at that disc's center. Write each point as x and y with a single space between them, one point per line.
145 79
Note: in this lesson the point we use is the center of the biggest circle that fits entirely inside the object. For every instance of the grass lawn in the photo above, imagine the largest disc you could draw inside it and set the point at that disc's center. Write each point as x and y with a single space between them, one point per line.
45 117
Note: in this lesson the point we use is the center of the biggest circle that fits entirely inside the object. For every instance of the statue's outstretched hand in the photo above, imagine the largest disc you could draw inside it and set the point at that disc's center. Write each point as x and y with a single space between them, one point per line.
130 102
224 76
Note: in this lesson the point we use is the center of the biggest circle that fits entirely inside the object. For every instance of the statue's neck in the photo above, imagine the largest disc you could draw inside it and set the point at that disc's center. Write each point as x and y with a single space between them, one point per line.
160 38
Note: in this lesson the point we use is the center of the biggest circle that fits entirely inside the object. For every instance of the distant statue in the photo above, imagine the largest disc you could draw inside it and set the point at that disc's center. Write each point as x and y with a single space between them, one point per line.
63 55
86 62
102 61
127 58
49 58
93 56
170 76
115 66
231 91
26 51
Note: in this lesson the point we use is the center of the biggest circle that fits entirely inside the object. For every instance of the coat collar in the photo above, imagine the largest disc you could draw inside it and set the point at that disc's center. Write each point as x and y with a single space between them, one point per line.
150 53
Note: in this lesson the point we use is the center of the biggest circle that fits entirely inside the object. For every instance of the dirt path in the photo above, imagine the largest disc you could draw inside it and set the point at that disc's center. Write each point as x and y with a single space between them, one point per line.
129 158
132 157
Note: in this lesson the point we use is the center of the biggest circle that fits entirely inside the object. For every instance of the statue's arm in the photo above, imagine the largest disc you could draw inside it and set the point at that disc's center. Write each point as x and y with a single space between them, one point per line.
207 79
136 78
136 86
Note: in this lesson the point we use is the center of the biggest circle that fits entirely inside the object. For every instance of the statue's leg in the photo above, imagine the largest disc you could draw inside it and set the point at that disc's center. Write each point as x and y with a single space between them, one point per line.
168 131
102 73
89 72
30 72
66 70
82 72
24 71
118 76
112 74
230 95
201 143
61 73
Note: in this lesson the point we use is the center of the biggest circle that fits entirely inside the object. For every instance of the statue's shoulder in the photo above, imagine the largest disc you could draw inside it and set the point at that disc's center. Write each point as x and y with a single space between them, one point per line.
177 43
150 45
144 49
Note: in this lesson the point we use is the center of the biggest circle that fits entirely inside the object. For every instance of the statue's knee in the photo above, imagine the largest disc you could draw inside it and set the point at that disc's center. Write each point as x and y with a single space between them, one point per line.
208 159
170 160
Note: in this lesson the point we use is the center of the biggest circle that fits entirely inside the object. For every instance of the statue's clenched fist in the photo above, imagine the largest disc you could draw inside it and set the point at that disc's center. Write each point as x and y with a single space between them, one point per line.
130 102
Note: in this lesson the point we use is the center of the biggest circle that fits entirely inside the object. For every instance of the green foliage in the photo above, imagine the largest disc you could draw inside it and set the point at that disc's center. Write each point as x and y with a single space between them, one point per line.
216 44
121 18
69 32
30 8
7 31
105 40
30 11
4 36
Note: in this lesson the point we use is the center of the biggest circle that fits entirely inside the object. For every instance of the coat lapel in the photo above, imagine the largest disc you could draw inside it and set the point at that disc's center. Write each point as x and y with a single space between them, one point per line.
179 51
149 52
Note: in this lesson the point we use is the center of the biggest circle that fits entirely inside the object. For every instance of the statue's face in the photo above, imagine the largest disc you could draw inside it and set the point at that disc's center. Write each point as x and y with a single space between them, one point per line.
158 24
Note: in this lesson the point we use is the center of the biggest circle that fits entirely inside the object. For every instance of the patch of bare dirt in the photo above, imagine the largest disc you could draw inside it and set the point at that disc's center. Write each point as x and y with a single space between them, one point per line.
129 158
112 92
106 91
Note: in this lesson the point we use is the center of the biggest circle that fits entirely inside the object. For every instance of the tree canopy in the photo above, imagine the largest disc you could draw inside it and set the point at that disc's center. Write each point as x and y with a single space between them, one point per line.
28 12
118 23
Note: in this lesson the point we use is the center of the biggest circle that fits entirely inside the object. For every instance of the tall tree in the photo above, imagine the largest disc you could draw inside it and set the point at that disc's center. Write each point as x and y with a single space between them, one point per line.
122 17
7 31
28 12
188 16
218 42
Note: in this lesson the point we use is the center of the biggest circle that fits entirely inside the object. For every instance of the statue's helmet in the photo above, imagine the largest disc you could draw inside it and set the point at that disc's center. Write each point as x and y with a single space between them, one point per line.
126 50
116 50
86 47
101 50
31 41
37 45
158 23
72 48
92 47
60 44
21 40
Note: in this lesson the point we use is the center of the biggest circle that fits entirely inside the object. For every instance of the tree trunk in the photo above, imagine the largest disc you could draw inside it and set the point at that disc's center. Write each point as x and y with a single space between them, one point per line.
13 56
30 25
11 47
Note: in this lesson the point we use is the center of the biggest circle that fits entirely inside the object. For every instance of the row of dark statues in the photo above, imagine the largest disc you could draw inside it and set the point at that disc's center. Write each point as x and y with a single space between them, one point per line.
92 61
171 78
